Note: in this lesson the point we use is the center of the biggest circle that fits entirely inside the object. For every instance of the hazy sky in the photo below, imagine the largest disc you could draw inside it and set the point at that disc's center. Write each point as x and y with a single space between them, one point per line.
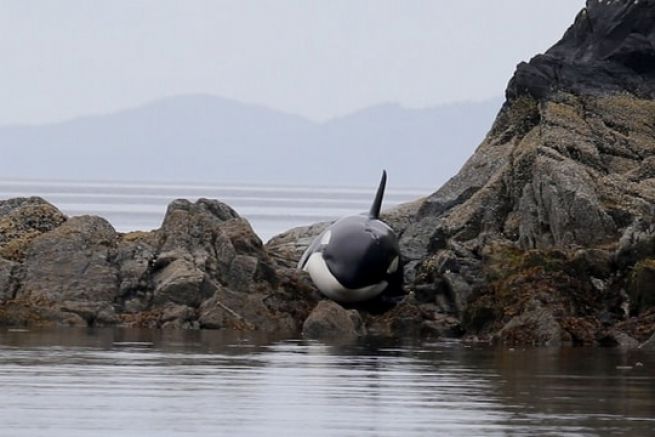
64 58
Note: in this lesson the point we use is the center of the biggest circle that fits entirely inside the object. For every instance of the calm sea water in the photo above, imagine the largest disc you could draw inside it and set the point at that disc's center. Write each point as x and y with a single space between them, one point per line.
142 383
141 206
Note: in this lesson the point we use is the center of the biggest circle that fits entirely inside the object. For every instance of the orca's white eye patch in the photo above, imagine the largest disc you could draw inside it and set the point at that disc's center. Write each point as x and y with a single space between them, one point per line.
393 266
325 239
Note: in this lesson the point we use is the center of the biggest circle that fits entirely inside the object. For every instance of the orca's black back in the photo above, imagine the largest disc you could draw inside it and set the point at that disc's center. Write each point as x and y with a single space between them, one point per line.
360 251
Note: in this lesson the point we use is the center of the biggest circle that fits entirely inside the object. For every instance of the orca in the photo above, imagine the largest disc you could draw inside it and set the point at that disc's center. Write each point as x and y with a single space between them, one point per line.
357 258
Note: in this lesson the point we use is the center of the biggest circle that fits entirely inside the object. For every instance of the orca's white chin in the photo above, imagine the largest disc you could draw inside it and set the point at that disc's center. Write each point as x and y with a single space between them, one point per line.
332 288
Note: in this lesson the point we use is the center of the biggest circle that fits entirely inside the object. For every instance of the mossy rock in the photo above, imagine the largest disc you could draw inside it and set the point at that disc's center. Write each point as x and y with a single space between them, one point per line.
20 225
520 281
642 286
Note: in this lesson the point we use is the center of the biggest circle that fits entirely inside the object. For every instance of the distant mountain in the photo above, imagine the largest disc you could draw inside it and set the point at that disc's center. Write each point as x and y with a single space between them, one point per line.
200 138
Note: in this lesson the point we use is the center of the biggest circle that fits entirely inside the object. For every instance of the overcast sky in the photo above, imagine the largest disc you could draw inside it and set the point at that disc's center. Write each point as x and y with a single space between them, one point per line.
64 58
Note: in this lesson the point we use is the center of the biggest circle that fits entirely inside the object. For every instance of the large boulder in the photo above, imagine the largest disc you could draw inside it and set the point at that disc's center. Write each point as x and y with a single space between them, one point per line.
71 269
21 220
212 237
329 320
72 263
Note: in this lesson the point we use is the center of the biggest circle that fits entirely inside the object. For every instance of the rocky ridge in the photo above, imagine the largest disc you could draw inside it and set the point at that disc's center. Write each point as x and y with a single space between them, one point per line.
204 268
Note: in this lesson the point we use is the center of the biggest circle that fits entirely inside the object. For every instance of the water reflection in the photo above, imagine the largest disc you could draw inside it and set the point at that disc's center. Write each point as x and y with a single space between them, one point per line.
139 382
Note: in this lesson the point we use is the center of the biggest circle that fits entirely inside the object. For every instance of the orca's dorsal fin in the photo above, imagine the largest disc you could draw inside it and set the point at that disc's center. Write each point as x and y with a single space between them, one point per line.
374 213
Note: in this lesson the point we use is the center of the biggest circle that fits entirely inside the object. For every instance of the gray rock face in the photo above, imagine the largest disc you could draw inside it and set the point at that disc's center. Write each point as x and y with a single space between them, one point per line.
7 282
72 263
568 162
608 49
179 282
135 255
289 246
637 242
213 238
329 320
232 310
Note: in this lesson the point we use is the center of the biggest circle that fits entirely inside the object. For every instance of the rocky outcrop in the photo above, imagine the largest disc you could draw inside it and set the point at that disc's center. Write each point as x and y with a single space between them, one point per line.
547 234
608 50
204 267
562 187
331 320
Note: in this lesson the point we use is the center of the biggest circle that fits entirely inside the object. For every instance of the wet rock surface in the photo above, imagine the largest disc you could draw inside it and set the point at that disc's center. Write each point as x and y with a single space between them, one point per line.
331 320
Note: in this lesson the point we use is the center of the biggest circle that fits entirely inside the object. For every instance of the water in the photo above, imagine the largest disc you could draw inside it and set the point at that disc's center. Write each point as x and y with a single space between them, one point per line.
141 206
72 382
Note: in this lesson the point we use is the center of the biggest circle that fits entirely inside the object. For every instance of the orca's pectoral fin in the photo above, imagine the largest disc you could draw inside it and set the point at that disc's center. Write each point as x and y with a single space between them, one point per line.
374 213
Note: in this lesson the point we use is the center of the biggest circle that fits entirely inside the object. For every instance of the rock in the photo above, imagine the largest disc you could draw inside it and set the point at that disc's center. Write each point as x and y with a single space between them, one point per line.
73 263
178 317
568 165
242 271
649 345
637 242
537 327
607 50
180 282
596 263
231 310
329 320
288 247
616 338
93 313
23 219
212 236
642 285
413 319
7 281
135 255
